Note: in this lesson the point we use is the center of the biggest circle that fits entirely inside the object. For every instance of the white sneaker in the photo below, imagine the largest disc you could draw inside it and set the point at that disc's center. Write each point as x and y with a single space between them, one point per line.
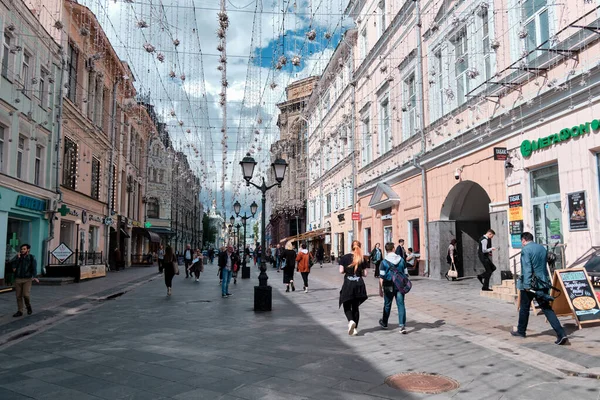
351 328
305 290
354 332
197 280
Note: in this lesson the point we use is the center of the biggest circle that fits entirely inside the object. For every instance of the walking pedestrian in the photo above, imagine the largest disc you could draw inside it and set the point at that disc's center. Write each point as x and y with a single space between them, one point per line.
236 266
24 268
169 268
320 255
197 265
451 257
211 255
353 292
400 249
278 257
388 290
118 259
289 265
484 252
533 265
161 257
226 261
303 259
188 256
376 258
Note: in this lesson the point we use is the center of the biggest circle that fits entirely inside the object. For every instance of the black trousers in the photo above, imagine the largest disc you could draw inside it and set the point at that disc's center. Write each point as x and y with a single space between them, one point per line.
305 278
351 310
160 266
489 269
168 277
187 265
377 263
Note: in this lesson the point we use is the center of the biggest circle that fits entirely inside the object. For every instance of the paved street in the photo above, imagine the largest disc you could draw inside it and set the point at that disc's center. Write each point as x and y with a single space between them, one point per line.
87 344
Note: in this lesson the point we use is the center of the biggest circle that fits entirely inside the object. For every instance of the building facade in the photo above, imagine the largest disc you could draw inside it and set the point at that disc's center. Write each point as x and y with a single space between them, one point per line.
331 148
186 209
288 204
29 97
471 118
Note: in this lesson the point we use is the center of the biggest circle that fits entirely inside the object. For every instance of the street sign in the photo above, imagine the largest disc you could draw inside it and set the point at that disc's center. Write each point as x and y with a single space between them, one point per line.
355 216
108 221
500 153
62 252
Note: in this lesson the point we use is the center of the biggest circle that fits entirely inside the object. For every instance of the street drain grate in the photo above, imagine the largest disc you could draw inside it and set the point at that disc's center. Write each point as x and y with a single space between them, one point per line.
419 382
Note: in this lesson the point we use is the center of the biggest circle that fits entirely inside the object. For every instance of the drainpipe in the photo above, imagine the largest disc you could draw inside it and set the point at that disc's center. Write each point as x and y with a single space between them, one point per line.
353 136
111 172
57 162
421 104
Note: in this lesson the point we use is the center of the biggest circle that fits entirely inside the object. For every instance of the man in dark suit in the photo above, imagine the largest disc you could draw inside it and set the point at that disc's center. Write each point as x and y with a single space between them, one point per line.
400 249
533 263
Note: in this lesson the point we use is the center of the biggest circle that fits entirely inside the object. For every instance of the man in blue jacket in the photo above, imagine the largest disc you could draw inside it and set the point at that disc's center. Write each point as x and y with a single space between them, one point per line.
533 262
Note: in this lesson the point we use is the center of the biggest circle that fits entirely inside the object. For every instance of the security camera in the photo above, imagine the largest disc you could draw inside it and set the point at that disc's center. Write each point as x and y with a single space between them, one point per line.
457 173
508 164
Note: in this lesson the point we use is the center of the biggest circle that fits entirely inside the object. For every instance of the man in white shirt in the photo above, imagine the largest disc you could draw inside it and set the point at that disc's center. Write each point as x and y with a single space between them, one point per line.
188 255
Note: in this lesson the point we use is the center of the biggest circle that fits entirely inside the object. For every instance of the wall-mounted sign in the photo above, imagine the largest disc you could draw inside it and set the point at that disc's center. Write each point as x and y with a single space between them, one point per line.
500 153
577 211
31 203
62 252
74 213
84 216
515 227
515 219
529 146
355 216
384 217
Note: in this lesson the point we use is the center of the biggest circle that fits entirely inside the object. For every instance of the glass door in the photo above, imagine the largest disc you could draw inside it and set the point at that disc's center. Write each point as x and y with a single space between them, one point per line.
387 235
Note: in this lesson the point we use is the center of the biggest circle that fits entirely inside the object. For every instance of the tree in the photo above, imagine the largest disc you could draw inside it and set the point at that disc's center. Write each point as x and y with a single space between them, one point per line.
209 233
255 229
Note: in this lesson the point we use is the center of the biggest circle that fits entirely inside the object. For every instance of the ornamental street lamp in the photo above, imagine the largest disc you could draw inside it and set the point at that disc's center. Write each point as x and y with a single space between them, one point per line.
263 292
237 207
77 258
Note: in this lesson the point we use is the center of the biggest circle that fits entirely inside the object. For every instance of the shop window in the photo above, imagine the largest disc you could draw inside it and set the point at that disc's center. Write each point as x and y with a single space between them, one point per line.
414 235
73 56
18 232
546 203
95 192
21 162
38 176
93 238
69 164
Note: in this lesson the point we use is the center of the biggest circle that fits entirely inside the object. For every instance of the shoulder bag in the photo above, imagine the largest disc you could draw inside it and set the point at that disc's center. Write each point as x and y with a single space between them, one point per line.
175 267
452 272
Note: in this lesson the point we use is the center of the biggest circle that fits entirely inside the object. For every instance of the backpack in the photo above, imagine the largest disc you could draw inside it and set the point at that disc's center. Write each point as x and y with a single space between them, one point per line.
399 278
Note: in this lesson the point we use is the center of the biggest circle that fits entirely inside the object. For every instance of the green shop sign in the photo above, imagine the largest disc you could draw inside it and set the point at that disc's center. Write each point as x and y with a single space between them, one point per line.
529 146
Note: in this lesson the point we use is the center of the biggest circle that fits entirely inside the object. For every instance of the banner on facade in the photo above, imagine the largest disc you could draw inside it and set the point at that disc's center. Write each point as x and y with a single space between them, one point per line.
578 220
62 252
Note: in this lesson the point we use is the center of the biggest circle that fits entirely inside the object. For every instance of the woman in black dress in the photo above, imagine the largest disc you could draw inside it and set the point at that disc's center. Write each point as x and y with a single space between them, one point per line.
353 292
289 257
169 268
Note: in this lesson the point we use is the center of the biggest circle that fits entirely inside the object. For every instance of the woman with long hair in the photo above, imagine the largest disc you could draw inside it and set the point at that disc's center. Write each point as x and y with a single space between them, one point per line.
197 264
169 268
353 292
289 260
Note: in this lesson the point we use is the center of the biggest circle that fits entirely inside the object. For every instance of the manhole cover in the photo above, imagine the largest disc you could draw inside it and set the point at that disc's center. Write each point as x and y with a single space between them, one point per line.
419 382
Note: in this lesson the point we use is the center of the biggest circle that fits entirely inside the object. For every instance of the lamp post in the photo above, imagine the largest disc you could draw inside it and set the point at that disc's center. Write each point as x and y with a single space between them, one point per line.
237 229
237 207
77 222
263 292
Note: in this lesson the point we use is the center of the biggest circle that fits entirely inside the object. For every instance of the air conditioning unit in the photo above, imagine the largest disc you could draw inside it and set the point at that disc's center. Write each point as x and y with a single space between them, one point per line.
52 205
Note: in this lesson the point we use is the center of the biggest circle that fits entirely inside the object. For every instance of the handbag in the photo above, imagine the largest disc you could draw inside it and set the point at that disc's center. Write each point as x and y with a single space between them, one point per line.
175 268
452 272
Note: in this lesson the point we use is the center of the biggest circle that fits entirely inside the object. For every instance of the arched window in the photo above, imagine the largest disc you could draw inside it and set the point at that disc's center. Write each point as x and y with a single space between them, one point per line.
153 209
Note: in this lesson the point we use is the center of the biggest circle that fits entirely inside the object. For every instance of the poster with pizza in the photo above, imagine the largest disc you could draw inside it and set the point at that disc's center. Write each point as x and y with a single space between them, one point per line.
577 296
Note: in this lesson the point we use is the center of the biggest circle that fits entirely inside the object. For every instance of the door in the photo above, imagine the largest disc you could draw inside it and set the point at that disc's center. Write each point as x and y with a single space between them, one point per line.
548 227
387 235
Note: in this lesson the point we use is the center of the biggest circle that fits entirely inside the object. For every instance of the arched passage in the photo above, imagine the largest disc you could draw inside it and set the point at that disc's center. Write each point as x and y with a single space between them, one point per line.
466 208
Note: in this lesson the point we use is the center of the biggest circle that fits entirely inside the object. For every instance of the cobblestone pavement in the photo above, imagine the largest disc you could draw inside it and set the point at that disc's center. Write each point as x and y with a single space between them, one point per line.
197 345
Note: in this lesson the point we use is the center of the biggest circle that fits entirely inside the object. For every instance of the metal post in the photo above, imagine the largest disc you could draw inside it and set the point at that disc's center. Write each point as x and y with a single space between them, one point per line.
262 278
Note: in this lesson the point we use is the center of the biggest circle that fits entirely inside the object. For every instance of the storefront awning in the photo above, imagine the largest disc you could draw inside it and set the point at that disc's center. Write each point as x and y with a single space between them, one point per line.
153 237
384 197
306 235
162 231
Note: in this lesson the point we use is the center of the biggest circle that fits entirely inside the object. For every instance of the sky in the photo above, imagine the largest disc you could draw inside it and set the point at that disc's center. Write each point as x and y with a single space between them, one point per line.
184 84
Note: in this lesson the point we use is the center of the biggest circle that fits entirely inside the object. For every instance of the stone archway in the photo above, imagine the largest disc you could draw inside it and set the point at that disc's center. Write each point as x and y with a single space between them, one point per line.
467 201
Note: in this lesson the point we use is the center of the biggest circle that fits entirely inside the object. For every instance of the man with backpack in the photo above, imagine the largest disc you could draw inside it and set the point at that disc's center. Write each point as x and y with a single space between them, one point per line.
393 284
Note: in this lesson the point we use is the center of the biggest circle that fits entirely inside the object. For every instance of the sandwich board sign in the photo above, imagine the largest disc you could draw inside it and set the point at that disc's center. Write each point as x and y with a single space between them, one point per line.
62 252
577 297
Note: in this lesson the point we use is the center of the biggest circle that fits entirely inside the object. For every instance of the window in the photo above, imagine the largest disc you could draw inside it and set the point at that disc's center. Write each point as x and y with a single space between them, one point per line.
326 102
546 202
91 97
328 204
38 177
410 94
2 155
72 71
461 59
161 176
384 123
437 86
25 73
21 164
44 89
153 208
7 57
485 46
95 192
381 17
414 238
367 141
534 14
363 44
69 166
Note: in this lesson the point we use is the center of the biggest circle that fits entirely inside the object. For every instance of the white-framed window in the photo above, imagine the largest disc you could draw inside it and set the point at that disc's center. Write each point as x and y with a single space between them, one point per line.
382 22
44 92
328 204
385 134
350 194
362 44
536 25
367 153
437 85
8 58
25 73
72 62
21 158
461 65
38 176
3 141
410 106
485 45
326 102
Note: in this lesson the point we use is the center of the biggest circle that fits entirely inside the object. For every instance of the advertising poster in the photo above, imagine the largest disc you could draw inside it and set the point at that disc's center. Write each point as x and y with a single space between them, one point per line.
515 219
578 219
